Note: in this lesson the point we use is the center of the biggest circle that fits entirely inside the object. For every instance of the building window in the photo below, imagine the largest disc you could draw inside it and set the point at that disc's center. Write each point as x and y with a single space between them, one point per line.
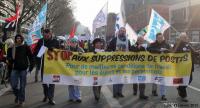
179 15
133 6
195 36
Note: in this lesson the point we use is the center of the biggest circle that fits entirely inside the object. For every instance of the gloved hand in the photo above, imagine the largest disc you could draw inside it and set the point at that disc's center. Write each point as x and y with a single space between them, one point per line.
50 49
30 68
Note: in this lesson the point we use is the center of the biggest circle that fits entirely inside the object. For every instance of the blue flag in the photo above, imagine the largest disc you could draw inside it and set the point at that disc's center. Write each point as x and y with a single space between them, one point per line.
34 33
157 24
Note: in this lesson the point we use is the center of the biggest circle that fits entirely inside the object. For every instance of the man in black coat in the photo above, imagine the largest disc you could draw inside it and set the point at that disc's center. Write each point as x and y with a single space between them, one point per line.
159 46
50 43
22 59
182 45
119 43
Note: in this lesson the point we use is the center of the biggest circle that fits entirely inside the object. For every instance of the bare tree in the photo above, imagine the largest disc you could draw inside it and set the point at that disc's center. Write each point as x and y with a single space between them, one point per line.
29 9
59 13
60 16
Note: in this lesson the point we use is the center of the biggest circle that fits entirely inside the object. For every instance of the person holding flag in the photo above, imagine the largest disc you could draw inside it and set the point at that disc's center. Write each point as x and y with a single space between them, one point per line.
159 46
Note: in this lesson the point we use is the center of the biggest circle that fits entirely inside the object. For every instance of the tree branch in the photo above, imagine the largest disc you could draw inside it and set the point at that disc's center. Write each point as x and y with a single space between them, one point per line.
6 11
28 18
7 8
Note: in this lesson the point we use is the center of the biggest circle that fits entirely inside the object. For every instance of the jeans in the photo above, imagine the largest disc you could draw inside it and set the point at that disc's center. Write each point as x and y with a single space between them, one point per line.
48 90
162 89
18 77
74 92
117 89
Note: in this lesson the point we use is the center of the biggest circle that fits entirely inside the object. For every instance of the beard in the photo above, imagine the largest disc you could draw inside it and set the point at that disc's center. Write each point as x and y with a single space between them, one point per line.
122 37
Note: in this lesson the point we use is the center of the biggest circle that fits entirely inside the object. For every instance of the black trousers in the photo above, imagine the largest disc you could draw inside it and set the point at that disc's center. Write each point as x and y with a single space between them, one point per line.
48 90
141 88
97 91
182 92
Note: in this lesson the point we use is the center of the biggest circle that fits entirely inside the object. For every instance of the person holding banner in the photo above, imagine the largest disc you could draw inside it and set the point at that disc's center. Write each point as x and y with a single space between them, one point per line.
139 46
98 47
21 56
119 43
182 45
74 91
159 46
46 42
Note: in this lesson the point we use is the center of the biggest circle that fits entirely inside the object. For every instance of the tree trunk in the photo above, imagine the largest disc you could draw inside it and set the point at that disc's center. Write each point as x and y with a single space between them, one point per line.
19 26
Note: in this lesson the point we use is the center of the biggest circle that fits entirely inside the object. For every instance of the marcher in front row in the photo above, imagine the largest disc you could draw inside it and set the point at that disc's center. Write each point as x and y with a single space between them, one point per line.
74 92
139 46
97 43
50 43
119 43
183 46
159 46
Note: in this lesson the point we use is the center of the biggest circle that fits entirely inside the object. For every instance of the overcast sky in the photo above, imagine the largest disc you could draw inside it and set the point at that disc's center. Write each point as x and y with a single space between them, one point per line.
86 10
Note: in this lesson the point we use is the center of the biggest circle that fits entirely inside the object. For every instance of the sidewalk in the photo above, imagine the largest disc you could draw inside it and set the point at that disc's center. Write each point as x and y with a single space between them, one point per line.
4 89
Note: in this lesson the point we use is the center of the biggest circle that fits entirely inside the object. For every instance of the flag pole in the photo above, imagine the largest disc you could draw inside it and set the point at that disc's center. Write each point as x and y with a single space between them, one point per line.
174 29
46 16
106 26
15 33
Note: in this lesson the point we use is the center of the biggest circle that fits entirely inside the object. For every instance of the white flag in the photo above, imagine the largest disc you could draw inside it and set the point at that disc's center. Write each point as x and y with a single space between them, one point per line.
119 22
132 36
101 18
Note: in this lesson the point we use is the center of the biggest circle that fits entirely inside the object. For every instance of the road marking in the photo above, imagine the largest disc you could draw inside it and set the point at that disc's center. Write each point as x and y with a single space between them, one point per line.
4 90
194 88
113 103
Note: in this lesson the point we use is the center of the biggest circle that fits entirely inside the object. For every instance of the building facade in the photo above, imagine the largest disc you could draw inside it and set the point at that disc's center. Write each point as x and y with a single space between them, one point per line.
185 17
137 12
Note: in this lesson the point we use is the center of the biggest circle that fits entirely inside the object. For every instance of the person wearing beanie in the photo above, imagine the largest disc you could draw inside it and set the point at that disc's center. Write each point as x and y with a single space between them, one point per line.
73 90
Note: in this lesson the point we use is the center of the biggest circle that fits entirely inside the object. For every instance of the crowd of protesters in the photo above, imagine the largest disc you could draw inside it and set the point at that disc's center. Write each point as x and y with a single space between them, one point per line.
20 60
